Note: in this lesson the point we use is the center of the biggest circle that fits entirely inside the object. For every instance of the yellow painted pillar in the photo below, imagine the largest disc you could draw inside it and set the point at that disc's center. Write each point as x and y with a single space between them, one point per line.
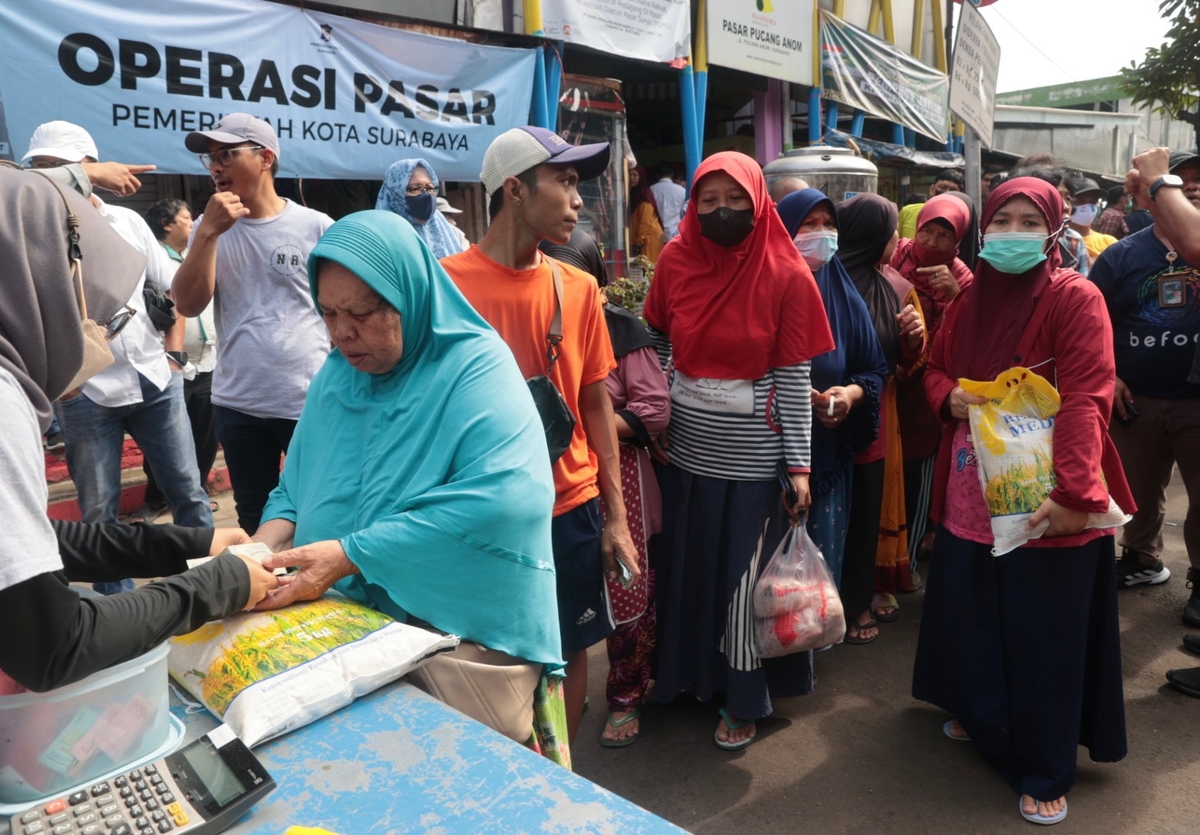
533 17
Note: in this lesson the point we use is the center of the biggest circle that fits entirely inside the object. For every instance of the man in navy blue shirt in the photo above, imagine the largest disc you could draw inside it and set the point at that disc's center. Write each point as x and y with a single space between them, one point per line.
1153 296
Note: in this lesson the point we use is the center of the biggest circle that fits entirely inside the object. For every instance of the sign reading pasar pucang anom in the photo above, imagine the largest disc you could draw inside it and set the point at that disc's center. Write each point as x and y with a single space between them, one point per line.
346 98
773 38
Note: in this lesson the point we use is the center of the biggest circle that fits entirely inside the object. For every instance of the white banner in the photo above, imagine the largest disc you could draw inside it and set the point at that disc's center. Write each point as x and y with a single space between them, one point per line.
766 37
651 30
973 73
346 98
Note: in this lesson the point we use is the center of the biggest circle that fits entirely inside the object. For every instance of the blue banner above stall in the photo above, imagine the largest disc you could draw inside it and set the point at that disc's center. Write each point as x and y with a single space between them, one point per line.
347 98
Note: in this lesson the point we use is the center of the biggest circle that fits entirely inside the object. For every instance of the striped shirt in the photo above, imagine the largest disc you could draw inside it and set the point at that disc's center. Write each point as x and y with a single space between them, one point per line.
744 447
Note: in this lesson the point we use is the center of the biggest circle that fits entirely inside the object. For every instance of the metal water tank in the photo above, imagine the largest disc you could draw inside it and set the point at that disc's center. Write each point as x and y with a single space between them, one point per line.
839 172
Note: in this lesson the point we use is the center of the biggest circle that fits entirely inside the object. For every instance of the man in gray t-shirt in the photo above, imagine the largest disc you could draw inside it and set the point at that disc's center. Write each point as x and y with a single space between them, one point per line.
249 252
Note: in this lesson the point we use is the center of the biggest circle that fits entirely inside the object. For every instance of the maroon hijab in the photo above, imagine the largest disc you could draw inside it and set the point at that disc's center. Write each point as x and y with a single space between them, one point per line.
997 306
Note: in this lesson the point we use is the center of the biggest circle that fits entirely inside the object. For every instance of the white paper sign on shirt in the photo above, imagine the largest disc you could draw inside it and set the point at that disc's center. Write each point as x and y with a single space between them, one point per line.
773 38
346 98
650 30
973 72
727 397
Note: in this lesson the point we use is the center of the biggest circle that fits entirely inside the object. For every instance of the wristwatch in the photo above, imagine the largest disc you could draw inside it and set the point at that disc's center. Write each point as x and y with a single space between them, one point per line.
180 357
1168 180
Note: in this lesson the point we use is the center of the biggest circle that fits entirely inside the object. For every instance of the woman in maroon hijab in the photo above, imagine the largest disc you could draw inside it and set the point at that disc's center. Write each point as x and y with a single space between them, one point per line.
930 261
1024 649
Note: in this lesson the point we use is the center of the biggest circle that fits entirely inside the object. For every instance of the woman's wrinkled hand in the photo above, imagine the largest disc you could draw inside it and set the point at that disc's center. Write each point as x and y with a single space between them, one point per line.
1063 520
319 565
941 281
262 582
959 400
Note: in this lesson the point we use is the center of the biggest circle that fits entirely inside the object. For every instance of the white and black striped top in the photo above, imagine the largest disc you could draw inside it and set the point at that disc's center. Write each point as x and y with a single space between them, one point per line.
745 447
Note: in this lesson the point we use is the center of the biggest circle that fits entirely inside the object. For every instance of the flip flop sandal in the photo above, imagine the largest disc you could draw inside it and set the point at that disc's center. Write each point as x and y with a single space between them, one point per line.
616 723
1038 818
733 726
891 604
859 628
948 732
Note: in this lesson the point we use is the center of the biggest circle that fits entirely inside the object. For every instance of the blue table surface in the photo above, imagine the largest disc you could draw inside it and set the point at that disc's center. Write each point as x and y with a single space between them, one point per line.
398 760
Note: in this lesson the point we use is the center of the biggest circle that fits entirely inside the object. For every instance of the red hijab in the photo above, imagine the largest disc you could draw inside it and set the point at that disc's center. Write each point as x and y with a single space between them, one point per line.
997 306
957 215
735 312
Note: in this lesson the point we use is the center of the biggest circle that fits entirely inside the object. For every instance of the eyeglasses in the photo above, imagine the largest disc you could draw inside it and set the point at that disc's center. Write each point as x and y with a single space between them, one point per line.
43 164
117 323
413 191
224 156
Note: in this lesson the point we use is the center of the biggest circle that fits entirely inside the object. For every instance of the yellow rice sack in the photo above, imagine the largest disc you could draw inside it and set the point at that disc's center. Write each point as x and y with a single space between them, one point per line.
1013 436
266 673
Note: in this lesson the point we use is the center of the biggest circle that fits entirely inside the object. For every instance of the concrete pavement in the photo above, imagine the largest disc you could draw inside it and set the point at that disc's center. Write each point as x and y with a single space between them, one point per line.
860 755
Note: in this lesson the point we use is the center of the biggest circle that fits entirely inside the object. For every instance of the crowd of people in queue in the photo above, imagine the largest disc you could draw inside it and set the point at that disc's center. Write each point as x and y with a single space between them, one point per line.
393 367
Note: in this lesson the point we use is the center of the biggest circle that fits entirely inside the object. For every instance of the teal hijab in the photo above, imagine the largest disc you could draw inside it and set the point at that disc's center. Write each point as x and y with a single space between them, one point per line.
434 476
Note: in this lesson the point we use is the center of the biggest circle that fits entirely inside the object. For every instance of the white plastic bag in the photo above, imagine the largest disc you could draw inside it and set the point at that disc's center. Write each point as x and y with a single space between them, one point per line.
796 604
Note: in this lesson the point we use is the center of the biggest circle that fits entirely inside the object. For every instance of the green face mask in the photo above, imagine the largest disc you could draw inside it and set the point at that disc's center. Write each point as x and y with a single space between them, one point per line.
1014 252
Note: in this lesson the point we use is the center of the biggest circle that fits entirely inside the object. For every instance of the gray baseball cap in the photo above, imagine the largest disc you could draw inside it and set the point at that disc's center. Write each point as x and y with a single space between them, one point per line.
1181 158
234 129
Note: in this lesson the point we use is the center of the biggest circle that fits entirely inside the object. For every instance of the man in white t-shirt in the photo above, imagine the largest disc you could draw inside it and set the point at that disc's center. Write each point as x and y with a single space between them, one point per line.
249 253
140 393
670 197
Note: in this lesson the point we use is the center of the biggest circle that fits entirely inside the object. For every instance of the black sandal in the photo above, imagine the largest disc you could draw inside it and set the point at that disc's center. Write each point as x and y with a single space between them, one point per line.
859 628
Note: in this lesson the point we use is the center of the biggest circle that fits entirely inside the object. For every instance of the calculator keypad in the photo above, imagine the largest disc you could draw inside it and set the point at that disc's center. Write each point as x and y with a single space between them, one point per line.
137 803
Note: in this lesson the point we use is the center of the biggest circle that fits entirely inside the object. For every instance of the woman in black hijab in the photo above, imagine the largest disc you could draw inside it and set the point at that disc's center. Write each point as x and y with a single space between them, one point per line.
877 545
642 407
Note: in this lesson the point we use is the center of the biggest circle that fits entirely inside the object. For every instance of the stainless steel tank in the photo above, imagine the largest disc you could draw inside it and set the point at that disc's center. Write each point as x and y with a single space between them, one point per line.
839 172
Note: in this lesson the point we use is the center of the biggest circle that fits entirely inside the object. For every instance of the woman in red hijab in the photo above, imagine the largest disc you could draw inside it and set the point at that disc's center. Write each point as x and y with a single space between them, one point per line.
1024 649
930 262
735 308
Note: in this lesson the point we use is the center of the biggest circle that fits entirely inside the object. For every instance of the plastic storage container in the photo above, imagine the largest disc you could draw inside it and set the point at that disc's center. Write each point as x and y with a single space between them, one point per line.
55 740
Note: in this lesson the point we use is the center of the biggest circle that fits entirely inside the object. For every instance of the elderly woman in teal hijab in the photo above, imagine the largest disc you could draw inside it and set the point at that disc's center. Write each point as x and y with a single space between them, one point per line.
410 189
417 480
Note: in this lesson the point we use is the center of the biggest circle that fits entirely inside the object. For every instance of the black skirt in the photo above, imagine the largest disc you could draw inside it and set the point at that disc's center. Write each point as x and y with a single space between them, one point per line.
1025 651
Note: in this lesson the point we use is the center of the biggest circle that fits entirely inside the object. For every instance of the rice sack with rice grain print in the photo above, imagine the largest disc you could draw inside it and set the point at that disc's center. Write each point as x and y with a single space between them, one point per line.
266 673
1013 435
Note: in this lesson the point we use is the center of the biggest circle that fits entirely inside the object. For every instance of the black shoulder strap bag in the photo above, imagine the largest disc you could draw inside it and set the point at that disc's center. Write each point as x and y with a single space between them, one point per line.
556 416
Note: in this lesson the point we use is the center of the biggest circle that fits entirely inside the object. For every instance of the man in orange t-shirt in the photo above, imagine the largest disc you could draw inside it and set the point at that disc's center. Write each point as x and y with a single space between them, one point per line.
531 175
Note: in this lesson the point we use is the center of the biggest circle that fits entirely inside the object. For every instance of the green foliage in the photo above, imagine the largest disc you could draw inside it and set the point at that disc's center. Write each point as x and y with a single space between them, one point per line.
1168 78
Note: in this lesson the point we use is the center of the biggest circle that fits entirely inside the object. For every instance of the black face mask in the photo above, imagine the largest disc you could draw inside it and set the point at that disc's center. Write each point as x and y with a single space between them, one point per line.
421 207
727 227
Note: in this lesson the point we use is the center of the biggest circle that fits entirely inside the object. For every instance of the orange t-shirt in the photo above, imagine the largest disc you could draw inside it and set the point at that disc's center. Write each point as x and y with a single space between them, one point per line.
519 304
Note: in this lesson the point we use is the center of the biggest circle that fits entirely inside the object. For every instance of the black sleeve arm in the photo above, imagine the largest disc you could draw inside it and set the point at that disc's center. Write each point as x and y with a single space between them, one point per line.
105 552
53 637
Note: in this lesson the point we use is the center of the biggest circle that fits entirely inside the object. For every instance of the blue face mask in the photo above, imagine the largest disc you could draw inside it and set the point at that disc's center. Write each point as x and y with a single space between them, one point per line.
421 207
817 248
1014 252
